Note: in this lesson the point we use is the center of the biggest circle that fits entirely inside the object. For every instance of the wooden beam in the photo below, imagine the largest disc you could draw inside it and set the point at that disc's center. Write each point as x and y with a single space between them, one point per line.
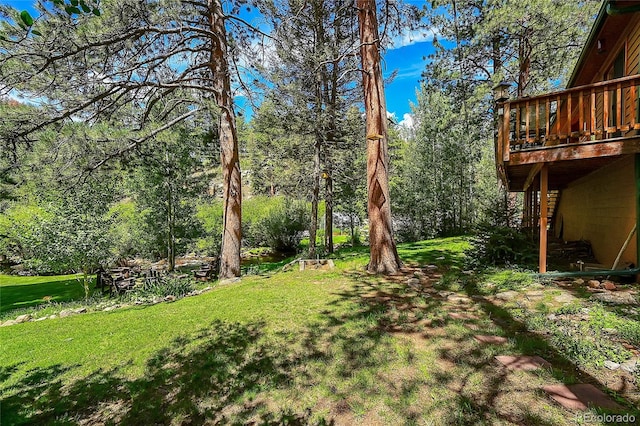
576 151
544 190
532 175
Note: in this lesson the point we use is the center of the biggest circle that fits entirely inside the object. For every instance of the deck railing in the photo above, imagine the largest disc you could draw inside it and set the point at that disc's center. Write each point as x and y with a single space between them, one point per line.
594 112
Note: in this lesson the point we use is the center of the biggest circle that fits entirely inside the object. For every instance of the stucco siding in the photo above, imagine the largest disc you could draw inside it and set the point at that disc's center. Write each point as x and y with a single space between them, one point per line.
600 208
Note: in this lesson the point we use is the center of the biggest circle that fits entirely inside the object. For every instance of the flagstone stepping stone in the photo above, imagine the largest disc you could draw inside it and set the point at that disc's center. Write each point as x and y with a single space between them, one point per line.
525 363
580 397
537 294
565 298
507 295
462 316
496 340
456 298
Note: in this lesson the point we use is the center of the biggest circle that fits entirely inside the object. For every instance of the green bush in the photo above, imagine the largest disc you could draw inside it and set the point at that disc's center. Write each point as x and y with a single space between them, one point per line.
275 222
501 246
283 226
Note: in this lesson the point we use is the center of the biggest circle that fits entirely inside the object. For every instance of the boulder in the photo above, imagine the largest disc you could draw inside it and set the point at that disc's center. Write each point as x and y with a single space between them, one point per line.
611 365
66 313
631 366
23 318
594 283
7 323
609 285
619 297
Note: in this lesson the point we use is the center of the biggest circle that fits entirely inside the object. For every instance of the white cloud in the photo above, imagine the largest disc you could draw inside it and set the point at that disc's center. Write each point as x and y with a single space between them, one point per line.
412 37
407 121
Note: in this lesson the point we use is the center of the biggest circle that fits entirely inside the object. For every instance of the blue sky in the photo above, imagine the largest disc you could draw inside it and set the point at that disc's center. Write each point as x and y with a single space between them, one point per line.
407 59
409 62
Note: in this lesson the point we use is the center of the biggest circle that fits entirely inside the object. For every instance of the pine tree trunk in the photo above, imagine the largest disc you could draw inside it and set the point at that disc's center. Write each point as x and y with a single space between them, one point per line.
229 158
315 195
171 245
328 199
384 256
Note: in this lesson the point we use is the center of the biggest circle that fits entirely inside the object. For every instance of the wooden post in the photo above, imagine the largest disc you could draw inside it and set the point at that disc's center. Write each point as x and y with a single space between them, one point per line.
569 107
558 116
619 100
506 126
537 120
633 105
593 113
544 189
547 110
582 125
637 210
526 121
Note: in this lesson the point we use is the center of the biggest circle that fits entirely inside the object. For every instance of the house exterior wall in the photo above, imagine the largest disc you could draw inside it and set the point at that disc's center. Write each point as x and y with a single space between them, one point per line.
600 208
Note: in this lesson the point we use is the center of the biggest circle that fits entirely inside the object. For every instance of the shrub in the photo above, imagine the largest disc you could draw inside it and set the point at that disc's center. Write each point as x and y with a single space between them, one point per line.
501 246
283 226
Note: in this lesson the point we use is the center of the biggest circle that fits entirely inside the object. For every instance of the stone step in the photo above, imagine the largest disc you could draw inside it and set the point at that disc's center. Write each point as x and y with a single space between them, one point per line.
580 397
523 362
488 339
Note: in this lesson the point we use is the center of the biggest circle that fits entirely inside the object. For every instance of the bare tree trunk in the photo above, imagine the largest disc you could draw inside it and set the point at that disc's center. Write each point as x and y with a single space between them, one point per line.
171 252
171 238
384 255
229 158
328 199
352 228
315 195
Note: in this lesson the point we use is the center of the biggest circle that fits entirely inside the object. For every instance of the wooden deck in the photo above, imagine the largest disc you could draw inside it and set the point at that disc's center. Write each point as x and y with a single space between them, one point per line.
596 124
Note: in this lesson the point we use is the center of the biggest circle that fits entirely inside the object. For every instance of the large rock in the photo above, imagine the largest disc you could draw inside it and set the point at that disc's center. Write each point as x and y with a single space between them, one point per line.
619 298
631 366
23 318
66 313
611 365
609 285
594 283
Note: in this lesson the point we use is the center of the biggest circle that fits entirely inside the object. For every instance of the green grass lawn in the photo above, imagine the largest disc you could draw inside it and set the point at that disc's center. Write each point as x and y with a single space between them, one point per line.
291 347
24 292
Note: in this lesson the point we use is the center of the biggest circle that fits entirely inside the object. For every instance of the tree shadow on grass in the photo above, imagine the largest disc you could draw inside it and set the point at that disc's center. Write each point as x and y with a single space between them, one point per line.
400 311
526 343
209 378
